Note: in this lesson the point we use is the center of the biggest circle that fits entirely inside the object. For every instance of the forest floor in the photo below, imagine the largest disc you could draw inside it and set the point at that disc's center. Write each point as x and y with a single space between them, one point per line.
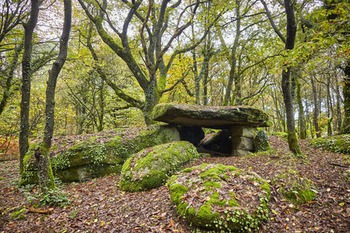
100 206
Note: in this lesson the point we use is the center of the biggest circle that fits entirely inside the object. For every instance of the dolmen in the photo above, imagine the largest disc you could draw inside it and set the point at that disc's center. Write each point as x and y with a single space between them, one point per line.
238 124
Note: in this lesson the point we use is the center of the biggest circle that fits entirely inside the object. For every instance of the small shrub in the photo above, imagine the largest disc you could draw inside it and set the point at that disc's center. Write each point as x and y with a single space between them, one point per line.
294 187
283 135
54 197
18 214
337 144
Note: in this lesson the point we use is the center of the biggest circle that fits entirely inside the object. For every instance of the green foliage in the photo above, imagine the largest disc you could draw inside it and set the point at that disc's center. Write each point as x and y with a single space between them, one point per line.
220 206
18 214
283 135
51 197
294 187
54 197
338 144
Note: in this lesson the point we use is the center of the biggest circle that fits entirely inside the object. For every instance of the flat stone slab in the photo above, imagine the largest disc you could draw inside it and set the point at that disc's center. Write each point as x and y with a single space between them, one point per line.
217 117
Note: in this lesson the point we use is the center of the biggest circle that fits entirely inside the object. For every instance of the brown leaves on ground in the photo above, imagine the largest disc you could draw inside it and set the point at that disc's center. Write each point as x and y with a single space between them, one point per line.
100 206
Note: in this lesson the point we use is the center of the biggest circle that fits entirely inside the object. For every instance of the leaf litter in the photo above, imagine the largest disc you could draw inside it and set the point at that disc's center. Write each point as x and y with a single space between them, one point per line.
100 206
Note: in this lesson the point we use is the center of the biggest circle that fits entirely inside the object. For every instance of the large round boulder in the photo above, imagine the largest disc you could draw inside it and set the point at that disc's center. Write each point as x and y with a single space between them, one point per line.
220 198
151 167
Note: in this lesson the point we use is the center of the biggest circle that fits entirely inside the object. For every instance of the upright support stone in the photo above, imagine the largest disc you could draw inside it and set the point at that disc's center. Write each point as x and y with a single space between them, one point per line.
242 140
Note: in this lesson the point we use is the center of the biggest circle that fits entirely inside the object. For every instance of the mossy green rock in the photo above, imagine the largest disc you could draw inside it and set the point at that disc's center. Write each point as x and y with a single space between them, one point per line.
91 159
151 167
261 141
221 198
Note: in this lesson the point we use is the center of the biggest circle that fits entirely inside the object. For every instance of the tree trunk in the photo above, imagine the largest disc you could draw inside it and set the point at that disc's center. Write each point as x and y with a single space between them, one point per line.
346 93
287 82
151 99
316 109
101 112
26 79
233 58
53 75
9 77
46 178
301 116
329 108
338 108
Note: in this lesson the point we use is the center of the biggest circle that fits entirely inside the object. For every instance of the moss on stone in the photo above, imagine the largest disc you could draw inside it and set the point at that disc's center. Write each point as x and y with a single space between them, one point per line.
209 196
151 167
30 173
91 159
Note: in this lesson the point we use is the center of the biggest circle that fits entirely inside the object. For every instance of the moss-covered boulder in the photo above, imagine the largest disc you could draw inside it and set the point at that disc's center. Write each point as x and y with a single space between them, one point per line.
261 141
221 198
94 158
151 167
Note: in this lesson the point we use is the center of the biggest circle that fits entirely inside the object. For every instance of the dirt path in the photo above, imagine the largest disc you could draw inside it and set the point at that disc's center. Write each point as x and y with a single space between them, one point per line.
99 205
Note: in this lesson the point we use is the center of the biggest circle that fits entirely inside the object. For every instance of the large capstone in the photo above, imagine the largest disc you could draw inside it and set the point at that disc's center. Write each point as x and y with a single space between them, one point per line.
220 198
151 167
217 117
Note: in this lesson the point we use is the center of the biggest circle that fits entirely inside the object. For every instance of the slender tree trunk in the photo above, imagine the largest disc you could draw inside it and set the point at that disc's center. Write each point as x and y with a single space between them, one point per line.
46 178
301 115
338 108
287 82
329 108
53 75
26 79
9 77
102 107
316 109
233 58
346 93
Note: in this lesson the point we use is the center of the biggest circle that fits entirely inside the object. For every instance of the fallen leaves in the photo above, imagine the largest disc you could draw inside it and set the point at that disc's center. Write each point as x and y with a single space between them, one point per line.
99 205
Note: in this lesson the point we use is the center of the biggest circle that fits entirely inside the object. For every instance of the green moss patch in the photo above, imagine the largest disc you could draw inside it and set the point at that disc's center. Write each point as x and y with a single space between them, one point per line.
220 198
151 167
295 187
338 144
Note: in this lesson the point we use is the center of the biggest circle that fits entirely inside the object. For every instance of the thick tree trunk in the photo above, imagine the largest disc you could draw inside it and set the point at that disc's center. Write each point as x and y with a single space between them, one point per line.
151 99
287 82
346 93
26 79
